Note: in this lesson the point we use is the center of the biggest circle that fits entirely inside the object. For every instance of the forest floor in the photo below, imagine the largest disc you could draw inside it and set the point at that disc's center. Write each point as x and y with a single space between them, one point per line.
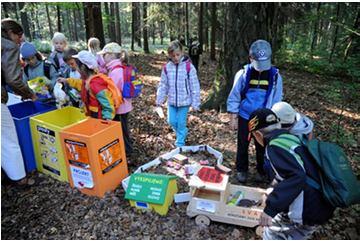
53 210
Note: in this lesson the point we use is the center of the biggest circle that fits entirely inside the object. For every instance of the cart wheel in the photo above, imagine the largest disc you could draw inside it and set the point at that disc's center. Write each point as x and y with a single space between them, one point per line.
202 220
259 231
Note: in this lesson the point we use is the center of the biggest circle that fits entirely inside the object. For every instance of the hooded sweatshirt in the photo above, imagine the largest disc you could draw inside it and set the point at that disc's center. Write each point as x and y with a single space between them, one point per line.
181 88
116 73
302 127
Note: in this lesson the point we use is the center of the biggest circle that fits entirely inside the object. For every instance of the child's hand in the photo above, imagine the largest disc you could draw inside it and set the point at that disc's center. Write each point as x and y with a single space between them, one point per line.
233 122
61 80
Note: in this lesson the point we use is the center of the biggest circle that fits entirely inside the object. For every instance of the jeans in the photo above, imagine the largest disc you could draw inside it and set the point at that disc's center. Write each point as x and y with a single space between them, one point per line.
177 118
242 156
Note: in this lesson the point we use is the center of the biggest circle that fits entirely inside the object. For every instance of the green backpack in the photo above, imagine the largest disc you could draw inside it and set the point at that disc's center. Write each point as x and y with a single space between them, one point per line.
338 182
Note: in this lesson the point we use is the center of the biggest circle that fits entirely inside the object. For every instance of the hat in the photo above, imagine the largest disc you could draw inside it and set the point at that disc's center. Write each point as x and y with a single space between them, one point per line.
27 50
261 52
285 112
113 48
261 118
87 58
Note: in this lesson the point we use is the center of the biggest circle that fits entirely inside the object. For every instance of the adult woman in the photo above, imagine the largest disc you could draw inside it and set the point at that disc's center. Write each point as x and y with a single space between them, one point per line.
11 77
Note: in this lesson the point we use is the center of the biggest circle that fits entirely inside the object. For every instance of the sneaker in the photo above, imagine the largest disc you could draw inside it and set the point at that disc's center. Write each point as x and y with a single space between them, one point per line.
261 178
242 176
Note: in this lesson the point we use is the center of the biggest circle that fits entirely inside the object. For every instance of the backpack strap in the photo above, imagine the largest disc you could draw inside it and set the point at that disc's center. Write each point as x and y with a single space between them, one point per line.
26 70
165 69
273 76
47 67
247 82
188 69
289 143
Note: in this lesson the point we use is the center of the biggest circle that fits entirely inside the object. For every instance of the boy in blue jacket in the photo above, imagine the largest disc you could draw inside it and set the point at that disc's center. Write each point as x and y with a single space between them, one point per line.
258 85
294 207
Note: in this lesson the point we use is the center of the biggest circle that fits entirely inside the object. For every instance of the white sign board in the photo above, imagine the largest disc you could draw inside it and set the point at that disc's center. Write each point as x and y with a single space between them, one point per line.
81 177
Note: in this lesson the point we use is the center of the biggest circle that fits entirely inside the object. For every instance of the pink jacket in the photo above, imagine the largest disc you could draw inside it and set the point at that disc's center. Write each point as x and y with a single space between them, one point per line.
101 64
117 75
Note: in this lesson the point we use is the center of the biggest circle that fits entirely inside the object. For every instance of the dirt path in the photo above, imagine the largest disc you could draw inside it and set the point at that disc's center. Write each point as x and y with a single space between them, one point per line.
52 210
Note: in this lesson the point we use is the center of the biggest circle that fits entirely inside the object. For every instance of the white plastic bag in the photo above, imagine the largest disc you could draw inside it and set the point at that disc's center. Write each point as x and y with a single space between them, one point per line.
60 96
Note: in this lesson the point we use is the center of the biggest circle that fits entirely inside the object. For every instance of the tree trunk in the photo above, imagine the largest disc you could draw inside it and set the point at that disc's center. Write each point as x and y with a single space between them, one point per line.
153 32
213 31
24 21
112 22
200 25
145 30
68 20
316 28
108 25
138 24
49 20
117 23
37 22
133 19
187 23
6 10
93 21
351 37
75 25
162 26
241 29
32 25
58 18
206 26
335 33
16 12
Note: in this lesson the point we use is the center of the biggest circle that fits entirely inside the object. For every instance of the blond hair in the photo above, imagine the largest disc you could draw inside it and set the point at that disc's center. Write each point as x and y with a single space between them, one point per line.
94 45
59 37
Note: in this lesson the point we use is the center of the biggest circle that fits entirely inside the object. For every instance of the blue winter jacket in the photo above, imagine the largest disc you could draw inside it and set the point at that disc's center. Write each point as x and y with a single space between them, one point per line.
292 195
254 98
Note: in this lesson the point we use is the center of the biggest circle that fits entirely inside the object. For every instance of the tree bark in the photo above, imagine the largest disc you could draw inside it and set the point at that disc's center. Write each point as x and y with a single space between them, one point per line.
187 23
24 21
206 26
58 18
145 30
316 28
200 24
37 21
93 21
335 33
68 20
213 31
76 36
112 22
138 24
352 36
49 20
6 10
133 20
162 27
107 13
16 12
117 23
153 32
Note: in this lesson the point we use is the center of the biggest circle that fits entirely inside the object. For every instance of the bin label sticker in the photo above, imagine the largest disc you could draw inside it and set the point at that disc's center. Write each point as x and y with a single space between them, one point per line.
82 178
109 156
206 206
77 153
48 150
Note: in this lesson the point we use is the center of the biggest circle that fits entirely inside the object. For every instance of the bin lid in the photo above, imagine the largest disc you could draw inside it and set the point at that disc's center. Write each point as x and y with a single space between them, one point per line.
148 187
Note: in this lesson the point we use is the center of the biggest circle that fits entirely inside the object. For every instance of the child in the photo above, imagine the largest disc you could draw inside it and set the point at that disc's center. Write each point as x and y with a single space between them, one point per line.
180 84
295 207
257 85
112 55
296 123
94 48
56 57
96 95
36 66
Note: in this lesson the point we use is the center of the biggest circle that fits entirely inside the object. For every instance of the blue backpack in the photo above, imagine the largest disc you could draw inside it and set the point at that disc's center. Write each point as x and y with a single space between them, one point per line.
132 82
338 182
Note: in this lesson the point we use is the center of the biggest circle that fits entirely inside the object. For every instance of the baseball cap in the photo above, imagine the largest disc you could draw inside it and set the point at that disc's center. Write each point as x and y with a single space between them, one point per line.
27 50
87 58
113 48
261 52
260 119
286 113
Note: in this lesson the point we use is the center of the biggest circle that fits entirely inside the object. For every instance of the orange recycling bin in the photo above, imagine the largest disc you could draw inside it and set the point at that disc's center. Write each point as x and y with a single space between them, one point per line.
95 155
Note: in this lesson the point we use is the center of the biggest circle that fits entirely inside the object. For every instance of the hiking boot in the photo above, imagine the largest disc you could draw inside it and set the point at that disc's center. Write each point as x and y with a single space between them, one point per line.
242 176
261 178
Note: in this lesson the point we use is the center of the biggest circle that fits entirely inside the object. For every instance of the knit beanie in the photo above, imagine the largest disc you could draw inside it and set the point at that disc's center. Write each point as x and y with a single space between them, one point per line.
27 50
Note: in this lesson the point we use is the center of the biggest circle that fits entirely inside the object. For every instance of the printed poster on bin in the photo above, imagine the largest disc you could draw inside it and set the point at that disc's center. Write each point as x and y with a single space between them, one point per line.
48 150
110 156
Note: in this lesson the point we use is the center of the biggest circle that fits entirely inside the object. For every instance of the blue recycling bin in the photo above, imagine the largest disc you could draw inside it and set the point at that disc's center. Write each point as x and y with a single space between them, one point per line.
21 114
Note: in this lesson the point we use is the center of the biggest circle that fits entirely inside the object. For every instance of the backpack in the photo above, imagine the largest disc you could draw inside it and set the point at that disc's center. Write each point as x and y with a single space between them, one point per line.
338 183
188 68
132 83
195 50
274 73
115 93
47 65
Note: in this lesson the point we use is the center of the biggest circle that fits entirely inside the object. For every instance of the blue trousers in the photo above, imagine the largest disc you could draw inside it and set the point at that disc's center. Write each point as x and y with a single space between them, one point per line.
177 118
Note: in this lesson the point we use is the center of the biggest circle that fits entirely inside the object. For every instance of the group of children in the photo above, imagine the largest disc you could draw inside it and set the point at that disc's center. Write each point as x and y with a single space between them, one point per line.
94 78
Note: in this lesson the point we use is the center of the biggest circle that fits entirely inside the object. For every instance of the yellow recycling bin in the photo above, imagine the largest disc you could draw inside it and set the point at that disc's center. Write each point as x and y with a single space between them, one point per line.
45 132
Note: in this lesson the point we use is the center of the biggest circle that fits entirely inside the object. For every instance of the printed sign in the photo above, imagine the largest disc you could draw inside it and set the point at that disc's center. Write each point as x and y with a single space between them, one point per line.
206 206
210 175
77 153
48 150
147 187
81 177
110 156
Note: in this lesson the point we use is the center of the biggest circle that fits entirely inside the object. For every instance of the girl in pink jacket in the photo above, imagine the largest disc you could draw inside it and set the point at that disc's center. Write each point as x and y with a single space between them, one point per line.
112 54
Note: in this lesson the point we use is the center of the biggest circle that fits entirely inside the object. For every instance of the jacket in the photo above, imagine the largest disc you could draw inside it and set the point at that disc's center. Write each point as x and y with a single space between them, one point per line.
254 98
38 70
57 59
11 73
117 75
177 87
292 194
95 96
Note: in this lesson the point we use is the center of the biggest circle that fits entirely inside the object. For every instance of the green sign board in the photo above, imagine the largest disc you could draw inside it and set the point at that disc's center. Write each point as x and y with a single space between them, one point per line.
148 187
